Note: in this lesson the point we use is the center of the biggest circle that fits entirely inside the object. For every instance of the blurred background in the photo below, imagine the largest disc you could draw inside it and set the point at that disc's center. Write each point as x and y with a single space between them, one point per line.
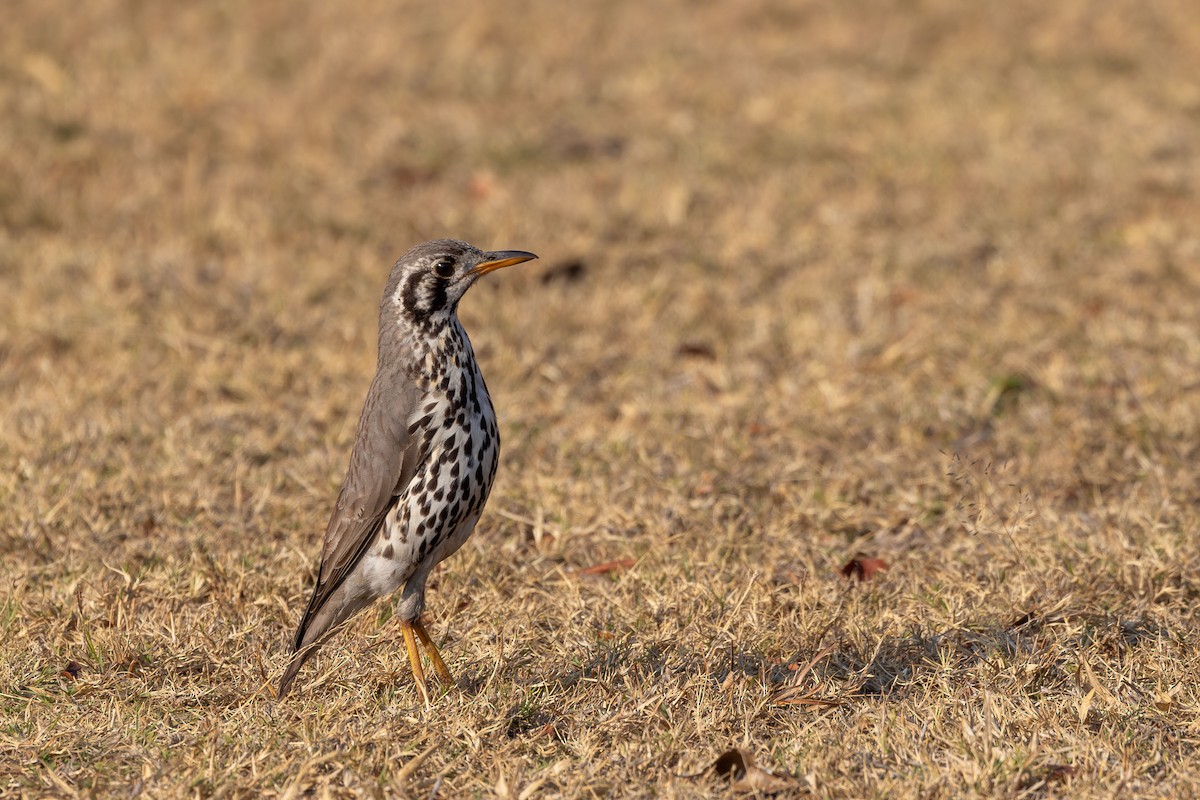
917 279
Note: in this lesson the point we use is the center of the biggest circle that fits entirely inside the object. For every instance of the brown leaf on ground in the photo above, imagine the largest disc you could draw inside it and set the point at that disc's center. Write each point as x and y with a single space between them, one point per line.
551 731
72 670
697 349
568 271
607 567
1059 772
863 568
738 766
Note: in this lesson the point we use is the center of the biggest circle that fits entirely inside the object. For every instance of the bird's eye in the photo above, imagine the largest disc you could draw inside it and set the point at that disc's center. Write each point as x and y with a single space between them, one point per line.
444 268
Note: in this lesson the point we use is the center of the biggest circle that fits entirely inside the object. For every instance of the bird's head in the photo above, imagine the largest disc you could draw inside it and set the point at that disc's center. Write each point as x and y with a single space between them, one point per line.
428 281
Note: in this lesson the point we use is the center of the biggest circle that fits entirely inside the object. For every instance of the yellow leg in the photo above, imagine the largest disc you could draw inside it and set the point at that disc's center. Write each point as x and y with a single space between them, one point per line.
439 666
414 656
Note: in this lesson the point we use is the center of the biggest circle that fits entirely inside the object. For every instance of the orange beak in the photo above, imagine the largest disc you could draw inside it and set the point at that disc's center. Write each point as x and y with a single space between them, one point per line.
501 259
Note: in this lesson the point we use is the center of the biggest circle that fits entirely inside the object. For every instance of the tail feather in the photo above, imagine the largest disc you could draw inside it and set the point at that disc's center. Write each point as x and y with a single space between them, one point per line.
316 627
289 675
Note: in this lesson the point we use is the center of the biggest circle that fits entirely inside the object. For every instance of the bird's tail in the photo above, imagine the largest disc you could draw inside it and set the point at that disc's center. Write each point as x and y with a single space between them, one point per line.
289 675
316 627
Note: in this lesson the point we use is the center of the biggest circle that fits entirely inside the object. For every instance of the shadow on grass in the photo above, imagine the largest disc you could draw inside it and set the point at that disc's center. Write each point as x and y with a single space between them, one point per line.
888 670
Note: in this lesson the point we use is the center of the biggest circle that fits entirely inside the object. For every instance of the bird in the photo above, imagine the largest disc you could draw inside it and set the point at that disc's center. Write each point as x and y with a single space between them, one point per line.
424 457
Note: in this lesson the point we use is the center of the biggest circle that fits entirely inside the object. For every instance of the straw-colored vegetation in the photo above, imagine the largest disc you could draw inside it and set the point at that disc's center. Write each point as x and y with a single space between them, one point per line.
913 280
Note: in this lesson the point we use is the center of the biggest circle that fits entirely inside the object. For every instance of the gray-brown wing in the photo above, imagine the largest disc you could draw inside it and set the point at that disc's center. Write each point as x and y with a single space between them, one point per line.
382 463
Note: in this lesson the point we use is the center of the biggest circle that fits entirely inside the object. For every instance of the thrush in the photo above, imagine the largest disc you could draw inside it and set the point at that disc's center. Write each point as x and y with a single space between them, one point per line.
424 455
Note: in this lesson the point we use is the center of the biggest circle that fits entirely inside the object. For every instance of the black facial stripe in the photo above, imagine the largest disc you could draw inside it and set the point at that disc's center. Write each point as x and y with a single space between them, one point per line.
424 294
410 297
437 298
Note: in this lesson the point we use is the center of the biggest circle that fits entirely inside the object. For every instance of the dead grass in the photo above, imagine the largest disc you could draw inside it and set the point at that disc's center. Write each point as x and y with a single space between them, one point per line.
914 280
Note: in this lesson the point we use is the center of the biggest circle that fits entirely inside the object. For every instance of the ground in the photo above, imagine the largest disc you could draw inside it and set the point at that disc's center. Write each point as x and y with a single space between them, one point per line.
910 281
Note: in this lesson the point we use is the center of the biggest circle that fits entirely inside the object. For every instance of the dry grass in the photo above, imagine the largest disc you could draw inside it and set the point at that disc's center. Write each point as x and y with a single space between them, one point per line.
918 280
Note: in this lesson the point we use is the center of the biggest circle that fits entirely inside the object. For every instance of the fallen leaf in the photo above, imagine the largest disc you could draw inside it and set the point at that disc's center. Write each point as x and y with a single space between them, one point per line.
738 766
72 670
1058 772
700 350
406 175
863 568
565 271
607 567
551 731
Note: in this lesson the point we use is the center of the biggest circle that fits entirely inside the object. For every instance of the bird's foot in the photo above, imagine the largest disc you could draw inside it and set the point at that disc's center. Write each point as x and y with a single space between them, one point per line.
414 657
435 657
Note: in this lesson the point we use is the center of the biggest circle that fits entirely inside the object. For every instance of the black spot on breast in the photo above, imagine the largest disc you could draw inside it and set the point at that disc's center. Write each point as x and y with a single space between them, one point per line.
388 551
